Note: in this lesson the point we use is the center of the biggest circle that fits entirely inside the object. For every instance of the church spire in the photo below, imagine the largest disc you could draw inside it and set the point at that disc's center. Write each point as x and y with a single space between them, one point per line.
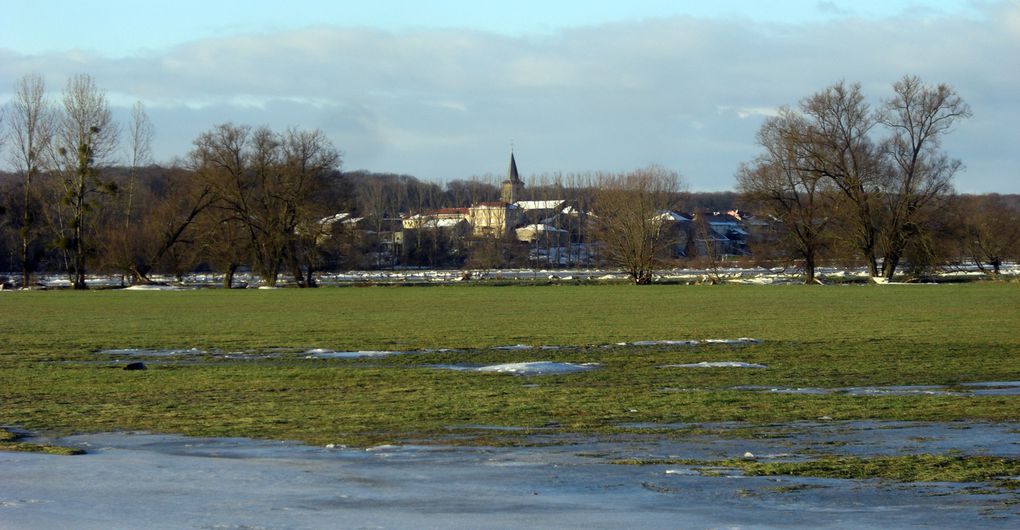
512 188
511 174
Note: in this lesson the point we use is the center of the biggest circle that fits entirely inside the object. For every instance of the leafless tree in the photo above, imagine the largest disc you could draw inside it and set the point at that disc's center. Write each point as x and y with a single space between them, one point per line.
268 183
85 141
837 145
31 131
170 208
626 210
918 173
780 186
140 133
991 230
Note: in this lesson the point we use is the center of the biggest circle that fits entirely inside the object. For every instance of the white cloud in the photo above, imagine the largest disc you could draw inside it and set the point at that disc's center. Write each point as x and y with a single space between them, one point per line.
684 92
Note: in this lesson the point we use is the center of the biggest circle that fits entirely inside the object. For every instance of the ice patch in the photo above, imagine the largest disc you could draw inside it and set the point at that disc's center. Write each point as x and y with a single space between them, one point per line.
513 347
153 288
153 352
321 353
986 388
716 364
741 340
536 368
661 343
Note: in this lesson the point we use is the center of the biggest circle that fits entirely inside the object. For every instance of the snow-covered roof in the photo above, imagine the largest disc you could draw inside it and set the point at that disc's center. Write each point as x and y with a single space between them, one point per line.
669 215
540 227
334 218
540 205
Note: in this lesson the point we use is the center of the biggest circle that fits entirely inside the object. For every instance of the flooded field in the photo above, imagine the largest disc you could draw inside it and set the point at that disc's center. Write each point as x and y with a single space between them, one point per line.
160 481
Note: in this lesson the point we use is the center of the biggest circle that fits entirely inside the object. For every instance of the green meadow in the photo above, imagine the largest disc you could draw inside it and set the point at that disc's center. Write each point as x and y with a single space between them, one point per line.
54 379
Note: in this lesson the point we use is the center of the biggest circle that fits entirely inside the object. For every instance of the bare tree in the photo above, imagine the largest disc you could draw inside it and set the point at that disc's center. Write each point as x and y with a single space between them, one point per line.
838 146
86 140
780 186
627 210
919 173
31 130
140 133
268 182
170 209
991 227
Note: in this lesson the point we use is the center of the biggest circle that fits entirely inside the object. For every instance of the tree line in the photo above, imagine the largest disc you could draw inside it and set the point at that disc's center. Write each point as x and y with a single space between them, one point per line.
837 180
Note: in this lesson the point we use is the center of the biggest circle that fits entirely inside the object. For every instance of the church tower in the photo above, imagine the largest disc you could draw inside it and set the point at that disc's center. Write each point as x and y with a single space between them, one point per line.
512 188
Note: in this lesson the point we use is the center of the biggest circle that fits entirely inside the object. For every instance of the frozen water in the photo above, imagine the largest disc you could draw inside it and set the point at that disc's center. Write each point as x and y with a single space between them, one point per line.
537 368
741 340
716 364
320 353
983 388
514 347
529 368
153 288
661 343
158 481
153 353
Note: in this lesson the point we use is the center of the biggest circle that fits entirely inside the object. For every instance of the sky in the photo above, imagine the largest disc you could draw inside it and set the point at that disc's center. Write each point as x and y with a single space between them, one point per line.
444 89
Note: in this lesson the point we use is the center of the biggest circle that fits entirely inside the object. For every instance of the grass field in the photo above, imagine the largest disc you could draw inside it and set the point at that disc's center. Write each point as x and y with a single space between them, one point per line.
53 379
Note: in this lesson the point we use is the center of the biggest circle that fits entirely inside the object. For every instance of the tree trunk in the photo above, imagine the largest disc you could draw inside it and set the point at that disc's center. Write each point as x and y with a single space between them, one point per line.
228 276
889 264
809 270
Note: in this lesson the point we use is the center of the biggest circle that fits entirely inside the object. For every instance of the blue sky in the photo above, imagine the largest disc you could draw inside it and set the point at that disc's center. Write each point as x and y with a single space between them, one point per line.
129 27
440 89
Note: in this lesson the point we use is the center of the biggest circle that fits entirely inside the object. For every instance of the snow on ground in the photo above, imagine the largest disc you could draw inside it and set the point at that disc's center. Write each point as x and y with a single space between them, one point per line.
746 275
163 482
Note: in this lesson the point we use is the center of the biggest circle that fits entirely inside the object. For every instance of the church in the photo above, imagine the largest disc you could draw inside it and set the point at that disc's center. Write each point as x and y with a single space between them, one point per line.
496 219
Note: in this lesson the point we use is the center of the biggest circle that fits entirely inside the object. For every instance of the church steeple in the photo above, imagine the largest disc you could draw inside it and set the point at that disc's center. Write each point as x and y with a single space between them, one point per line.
510 191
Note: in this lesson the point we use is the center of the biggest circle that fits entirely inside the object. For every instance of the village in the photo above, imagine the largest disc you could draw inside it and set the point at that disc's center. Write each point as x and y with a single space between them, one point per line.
518 232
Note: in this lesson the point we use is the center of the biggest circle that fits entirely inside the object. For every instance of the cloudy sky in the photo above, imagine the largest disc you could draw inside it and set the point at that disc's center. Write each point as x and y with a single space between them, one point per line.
441 89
